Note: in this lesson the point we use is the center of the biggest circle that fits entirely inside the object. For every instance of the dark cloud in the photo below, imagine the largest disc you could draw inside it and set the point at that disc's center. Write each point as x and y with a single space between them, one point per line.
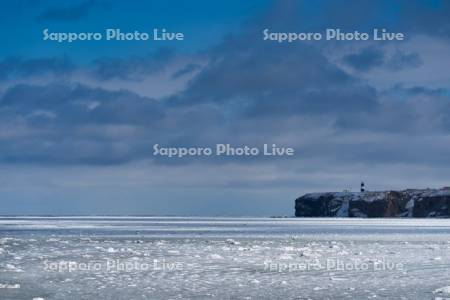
72 123
400 91
95 144
430 17
132 68
365 60
81 104
372 57
406 112
425 16
249 78
17 67
400 61
73 12
186 70
250 92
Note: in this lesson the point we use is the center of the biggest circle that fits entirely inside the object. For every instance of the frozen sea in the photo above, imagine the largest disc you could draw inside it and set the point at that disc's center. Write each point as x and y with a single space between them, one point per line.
223 258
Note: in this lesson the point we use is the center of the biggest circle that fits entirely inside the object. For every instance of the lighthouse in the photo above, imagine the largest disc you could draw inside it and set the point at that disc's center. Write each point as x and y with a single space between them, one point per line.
362 187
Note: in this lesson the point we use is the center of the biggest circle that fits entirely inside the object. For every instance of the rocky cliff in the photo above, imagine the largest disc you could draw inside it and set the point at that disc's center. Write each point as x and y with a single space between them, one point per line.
408 203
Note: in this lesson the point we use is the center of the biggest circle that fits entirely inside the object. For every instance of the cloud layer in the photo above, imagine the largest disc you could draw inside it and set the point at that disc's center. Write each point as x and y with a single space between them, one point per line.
351 110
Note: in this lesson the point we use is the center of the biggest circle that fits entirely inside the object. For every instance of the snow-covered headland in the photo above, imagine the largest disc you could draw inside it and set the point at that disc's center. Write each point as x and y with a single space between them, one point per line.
420 203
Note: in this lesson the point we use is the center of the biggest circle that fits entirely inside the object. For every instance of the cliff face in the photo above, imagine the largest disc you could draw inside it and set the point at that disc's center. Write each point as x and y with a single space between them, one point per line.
408 203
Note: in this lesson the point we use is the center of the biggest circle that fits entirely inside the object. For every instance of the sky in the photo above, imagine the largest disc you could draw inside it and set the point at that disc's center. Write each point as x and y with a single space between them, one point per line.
78 120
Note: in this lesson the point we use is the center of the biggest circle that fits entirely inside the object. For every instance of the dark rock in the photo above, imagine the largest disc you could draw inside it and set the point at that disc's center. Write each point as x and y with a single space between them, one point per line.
433 206
407 203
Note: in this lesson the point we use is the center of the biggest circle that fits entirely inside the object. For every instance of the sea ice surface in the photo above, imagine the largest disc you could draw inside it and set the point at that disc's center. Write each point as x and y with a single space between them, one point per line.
223 258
